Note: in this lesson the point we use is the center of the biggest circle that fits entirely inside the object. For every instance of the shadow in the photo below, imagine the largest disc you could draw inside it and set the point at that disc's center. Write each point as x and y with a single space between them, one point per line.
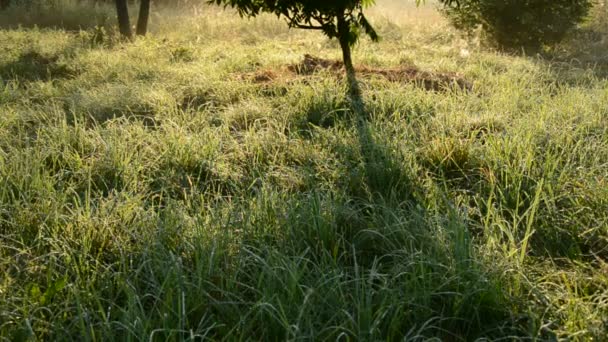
33 66
384 179
388 211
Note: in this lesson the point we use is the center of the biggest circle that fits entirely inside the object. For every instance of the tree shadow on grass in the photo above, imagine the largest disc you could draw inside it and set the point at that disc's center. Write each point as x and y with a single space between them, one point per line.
385 176
393 197
33 66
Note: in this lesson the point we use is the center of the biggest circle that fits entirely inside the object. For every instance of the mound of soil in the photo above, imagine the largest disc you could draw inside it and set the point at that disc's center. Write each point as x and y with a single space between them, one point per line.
312 64
428 80
262 76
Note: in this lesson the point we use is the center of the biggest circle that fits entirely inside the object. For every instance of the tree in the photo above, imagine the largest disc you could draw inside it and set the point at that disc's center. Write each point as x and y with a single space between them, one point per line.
144 15
341 19
514 25
124 24
4 4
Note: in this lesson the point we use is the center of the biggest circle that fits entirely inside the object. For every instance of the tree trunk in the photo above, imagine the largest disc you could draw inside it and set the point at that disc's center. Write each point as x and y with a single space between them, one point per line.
4 4
144 15
124 25
351 76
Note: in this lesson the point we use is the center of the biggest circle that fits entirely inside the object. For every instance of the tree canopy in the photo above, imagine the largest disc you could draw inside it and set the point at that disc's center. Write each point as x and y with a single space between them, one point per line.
320 15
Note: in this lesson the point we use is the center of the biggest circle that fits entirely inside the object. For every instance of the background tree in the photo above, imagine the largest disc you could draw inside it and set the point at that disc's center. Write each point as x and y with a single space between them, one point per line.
519 24
124 24
144 15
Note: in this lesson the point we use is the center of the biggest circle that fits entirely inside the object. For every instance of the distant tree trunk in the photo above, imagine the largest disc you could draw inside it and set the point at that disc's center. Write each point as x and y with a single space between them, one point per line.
144 15
4 4
124 25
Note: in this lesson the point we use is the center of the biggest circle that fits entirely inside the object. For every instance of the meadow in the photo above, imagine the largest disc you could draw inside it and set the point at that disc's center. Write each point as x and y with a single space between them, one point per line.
197 184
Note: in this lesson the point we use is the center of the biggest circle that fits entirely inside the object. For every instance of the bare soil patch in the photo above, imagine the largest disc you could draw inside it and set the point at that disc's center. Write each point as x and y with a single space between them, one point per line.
428 80
260 77
432 81
312 64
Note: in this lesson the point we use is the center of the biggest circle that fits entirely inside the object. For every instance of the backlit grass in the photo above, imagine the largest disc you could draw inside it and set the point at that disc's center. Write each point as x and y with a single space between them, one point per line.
156 190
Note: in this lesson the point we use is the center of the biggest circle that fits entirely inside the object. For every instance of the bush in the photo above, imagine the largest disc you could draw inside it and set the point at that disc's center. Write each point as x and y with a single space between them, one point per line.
71 15
519 24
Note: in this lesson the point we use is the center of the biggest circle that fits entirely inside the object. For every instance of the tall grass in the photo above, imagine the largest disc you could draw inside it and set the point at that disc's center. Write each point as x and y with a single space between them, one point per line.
156 190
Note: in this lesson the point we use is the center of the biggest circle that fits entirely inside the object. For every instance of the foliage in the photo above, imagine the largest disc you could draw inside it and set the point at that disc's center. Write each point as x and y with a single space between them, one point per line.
517 24
314 14
70 15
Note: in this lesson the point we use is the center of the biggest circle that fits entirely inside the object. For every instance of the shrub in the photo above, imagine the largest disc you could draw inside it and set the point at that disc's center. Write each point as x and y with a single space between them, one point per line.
71 15
519 24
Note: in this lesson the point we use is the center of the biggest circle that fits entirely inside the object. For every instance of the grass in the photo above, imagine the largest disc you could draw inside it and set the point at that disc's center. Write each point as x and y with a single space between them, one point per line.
152 191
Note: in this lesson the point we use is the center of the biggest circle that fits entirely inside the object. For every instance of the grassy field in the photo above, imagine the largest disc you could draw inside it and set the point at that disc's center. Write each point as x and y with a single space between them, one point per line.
191 186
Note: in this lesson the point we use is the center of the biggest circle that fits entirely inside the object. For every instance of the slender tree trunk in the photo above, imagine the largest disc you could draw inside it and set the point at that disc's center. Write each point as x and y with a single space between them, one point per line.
4 4
351 76
144 15
124 25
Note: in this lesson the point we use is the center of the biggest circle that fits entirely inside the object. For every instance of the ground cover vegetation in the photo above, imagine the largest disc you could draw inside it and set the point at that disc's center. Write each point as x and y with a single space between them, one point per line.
211 181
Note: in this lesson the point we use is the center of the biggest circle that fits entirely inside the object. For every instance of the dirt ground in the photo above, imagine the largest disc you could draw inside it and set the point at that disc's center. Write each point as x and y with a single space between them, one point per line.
310 65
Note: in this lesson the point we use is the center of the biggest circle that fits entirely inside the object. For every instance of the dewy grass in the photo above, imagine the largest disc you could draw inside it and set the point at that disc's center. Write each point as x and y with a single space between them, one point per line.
160 190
